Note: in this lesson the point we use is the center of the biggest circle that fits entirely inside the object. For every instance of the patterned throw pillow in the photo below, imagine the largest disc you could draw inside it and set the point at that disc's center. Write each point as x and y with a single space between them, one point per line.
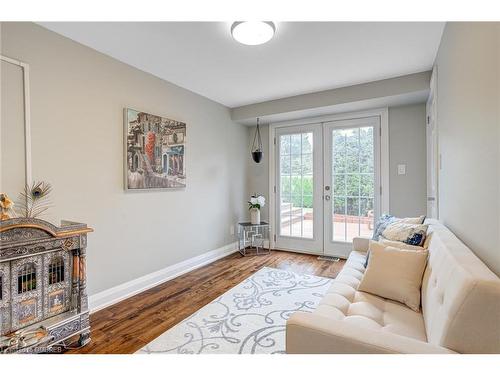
387 219
412 234
381 224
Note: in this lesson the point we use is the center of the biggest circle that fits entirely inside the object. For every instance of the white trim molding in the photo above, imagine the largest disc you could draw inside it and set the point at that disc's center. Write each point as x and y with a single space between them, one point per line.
382 113
123 291
27 116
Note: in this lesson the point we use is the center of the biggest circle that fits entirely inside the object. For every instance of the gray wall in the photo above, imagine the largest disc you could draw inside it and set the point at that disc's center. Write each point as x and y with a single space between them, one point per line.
258 174
77 99
406 146
468 67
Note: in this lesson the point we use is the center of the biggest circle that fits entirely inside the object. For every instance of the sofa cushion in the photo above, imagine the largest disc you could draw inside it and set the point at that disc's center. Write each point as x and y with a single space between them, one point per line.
344 302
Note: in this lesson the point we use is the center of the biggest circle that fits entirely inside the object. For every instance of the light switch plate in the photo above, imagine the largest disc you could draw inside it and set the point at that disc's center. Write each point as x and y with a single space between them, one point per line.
401 169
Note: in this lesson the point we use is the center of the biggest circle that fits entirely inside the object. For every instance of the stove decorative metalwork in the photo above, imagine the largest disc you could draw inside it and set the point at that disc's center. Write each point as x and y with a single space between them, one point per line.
43 284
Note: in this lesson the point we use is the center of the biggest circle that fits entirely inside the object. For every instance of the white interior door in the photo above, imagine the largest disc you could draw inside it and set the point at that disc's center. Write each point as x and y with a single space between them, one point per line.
299 181
352 182
432 152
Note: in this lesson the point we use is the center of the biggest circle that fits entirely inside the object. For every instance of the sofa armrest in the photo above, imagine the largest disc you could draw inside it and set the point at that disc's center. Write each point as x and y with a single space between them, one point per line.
360 244
308 333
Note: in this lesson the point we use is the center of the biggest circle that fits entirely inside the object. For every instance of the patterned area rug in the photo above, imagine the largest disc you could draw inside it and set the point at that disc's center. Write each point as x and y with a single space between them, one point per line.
248 319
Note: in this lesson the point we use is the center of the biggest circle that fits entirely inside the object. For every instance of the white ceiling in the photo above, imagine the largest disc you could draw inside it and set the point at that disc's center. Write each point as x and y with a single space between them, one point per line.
303 57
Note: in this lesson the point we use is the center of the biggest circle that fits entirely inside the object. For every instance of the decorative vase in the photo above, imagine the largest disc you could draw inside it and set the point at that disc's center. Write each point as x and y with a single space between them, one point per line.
255 216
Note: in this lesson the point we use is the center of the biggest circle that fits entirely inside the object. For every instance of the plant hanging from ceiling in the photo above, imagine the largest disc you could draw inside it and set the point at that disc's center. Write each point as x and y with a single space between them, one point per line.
34 200
257 151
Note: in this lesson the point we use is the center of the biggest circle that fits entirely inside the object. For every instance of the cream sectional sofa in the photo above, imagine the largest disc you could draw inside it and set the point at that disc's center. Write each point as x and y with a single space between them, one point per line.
460 308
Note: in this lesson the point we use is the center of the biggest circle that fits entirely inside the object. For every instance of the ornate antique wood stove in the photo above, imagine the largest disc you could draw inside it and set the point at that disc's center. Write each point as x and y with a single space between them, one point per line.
43 292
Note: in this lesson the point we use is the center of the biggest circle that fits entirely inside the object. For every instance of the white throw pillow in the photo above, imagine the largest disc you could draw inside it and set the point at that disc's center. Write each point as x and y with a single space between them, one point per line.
395 274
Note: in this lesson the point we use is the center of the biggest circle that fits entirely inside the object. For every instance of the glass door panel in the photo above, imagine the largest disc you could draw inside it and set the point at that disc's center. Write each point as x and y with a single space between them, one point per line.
299 187
350 170
296 188
353 179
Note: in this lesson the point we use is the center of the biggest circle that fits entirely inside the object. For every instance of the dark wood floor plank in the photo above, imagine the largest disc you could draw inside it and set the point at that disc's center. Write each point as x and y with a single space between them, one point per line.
130 324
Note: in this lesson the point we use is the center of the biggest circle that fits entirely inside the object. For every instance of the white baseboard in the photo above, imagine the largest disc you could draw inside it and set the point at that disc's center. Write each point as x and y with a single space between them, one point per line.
120 292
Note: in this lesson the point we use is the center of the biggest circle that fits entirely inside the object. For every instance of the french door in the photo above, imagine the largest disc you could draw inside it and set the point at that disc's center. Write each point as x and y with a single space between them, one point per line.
326 179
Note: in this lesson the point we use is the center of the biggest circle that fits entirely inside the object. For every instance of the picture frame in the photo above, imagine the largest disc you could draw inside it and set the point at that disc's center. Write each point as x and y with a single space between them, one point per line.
154 152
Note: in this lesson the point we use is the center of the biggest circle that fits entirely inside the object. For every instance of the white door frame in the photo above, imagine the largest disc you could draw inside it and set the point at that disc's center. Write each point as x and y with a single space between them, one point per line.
27 117
432 148
383 113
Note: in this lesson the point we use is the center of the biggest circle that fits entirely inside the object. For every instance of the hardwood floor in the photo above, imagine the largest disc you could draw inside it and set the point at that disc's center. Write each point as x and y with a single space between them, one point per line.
130 324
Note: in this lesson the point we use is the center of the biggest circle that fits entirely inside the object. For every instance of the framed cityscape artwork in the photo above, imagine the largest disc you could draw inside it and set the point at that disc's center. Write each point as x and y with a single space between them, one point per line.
154 151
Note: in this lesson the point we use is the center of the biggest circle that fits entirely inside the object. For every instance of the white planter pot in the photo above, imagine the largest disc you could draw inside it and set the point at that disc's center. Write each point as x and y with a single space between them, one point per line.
255 216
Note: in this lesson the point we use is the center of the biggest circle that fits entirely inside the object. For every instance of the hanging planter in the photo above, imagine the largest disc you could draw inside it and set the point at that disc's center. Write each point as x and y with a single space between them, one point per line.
257 152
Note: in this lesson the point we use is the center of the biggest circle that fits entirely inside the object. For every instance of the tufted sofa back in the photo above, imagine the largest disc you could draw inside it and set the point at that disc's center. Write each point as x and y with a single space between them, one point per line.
460 296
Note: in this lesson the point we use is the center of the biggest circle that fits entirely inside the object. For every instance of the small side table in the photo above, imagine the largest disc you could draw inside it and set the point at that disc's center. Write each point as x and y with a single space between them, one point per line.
252 237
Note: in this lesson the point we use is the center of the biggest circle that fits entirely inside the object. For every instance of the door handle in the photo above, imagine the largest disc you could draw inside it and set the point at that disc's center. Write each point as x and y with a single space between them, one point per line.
327 197
431 199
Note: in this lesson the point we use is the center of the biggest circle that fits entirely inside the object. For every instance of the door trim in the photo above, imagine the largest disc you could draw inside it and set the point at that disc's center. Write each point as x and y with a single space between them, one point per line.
434 168
27 116
383 113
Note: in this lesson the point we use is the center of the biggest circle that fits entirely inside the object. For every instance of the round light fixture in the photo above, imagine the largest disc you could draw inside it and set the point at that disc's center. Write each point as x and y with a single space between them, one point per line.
253 33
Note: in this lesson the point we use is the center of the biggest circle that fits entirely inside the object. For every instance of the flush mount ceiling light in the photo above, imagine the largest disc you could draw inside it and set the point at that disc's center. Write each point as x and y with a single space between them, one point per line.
253 33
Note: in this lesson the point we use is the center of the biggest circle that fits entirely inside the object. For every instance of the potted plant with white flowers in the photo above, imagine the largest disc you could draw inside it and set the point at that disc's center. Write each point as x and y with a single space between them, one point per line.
255 203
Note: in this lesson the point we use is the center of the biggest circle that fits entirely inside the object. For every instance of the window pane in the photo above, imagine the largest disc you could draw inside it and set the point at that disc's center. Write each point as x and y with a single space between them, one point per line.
307 164
339 219
296 223
296 165
352 150
307 185
285 145
307 143
352 218
366 150
285 165
339 185
339 157
352 206
366 218
352 185
307 201
296 185
285 215
296 141
366 185
285 185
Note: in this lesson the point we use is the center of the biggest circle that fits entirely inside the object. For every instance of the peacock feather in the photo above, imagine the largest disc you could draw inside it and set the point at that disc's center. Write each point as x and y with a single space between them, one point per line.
34 200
